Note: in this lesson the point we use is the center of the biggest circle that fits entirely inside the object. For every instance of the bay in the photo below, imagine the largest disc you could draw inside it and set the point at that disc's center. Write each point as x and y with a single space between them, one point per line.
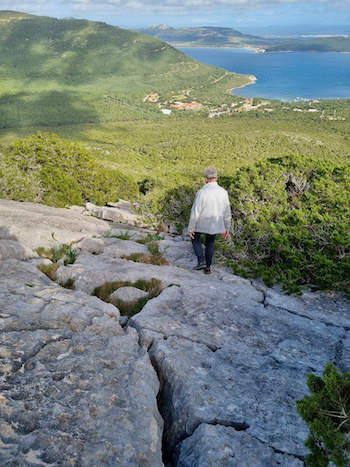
287 76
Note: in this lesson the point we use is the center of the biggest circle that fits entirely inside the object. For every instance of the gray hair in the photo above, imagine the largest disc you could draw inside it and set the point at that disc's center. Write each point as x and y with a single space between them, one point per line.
210 172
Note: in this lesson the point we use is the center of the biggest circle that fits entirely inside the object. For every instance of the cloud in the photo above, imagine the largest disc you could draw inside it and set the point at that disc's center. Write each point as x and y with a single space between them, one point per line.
157 8
190 5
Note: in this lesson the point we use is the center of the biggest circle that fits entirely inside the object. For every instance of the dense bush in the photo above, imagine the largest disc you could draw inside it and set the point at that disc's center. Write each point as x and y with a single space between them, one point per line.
327 413
47 169
291 222
175 205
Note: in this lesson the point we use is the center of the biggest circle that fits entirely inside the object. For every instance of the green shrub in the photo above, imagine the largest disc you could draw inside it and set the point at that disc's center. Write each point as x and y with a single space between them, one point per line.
175 206
327 413
47 169
294 232
58 188
291 222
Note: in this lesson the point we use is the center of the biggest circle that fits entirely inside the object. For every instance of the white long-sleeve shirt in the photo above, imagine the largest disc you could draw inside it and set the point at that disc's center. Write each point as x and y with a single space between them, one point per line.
211 211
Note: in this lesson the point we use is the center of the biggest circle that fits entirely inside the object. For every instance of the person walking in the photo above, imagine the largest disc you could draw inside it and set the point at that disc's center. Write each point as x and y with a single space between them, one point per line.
210 215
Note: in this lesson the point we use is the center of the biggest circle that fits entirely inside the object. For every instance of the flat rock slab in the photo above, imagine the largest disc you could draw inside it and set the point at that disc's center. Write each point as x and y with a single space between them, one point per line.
33 224
225 447
116 248
331 308
227 360
14 249
75 388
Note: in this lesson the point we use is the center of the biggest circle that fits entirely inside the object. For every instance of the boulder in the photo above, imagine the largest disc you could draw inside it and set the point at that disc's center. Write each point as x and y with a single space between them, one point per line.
115 248
92 245
128 294
121 215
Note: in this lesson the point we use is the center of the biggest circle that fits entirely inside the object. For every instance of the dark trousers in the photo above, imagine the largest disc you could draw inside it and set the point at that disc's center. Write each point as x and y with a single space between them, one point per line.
209 248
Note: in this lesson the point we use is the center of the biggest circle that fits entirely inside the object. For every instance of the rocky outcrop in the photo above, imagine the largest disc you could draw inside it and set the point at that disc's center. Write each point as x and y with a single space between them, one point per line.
75 388
36 225
231 358
120 212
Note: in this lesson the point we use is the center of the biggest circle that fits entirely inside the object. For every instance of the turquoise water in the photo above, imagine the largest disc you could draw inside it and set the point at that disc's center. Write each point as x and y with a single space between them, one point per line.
287 76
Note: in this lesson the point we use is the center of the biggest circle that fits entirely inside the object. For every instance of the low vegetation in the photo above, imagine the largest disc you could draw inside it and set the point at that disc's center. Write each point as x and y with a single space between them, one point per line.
50 270
150 238
68 284
153 287
157 260
58 252
290 221
46 169
68 71
327 412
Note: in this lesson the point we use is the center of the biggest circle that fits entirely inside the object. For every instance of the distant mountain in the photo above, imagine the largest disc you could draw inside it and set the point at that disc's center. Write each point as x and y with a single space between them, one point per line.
295 30
67 71
204 36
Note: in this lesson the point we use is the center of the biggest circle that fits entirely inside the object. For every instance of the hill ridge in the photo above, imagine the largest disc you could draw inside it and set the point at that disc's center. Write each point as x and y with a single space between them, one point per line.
59 71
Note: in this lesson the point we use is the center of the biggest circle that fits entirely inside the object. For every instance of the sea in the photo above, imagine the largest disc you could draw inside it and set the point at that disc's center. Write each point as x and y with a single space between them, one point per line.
288 76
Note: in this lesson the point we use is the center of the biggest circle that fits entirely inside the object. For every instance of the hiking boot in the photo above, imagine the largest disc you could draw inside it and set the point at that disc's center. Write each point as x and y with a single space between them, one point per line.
199 267
207 270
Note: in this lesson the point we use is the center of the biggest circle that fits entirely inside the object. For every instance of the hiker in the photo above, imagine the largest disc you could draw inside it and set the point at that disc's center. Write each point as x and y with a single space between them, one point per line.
210 215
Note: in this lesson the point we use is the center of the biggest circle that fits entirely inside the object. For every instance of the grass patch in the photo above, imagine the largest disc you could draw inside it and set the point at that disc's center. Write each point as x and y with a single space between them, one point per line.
68 284
146 258
153 287
50 270
58 252
154 257
150 238
123 236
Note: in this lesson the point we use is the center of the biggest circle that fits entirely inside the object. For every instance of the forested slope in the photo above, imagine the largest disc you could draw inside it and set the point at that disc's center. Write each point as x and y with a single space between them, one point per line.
67 71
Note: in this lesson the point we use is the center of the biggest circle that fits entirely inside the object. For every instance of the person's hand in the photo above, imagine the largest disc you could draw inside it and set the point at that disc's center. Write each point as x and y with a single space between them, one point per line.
225 234
191 234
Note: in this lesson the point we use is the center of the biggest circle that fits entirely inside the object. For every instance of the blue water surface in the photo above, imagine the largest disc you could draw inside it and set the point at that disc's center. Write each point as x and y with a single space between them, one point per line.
287 76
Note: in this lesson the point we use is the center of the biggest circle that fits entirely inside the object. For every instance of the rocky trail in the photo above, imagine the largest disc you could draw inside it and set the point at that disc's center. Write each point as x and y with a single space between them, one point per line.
206 374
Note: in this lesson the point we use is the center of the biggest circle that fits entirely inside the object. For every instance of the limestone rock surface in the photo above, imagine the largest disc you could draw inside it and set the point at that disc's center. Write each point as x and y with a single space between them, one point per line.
75 388
14 249
119 213
33 224
224 446
231 356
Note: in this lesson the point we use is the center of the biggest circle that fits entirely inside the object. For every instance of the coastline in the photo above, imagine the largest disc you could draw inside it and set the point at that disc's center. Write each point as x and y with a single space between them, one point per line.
252 48
253 80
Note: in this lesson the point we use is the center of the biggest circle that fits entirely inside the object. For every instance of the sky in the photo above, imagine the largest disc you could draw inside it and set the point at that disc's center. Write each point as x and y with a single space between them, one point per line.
244 15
